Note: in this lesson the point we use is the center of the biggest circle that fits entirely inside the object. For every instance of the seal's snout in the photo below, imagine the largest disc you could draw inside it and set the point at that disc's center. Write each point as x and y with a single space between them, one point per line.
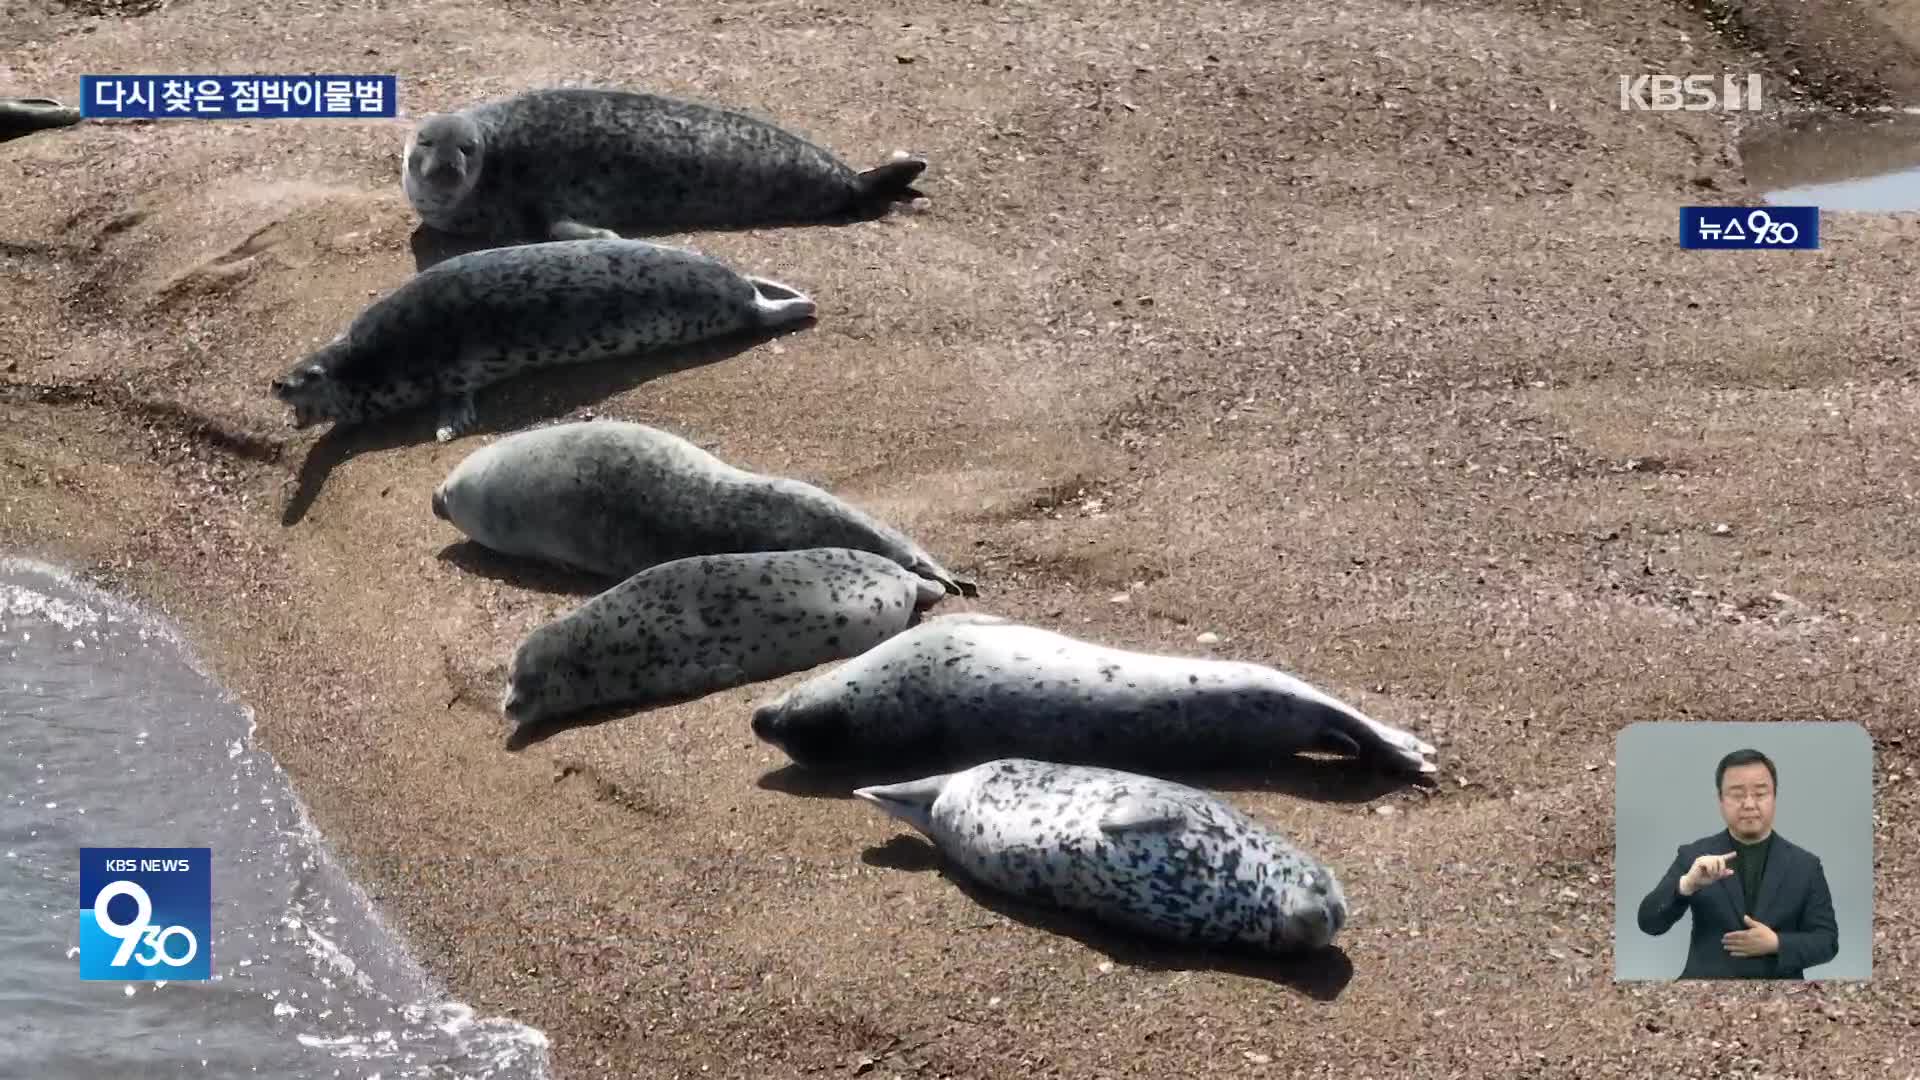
440 504
763 723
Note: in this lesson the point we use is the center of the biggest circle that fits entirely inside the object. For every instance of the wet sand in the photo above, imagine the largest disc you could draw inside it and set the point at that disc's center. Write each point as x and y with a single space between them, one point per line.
1356 334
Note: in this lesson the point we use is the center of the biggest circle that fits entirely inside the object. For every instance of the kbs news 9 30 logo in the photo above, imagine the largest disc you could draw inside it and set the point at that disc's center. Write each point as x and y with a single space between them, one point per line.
146 914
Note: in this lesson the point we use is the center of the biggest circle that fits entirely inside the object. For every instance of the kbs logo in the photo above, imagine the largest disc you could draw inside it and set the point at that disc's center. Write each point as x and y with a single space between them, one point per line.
1693 93
146 913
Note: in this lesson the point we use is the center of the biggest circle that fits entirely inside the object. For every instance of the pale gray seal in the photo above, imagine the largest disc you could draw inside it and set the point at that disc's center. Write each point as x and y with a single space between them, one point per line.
481 317
1153 856
612 497
693 627
963 688
567 163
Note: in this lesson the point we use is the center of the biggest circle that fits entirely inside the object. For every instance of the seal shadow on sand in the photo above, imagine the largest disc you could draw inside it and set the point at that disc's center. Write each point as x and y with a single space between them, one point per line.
431 246
482 561
1321 974
517 402
540 731
1316 779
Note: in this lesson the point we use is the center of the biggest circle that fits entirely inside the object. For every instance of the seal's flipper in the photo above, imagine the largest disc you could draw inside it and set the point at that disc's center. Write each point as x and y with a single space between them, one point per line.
778 305
952 585
929 594
887 183
970 618
1402 749
1137 814
911 802
574 230
457 417
1341 741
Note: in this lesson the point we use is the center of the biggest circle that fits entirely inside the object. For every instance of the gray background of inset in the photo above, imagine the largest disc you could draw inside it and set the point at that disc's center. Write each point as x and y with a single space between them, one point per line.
1663 797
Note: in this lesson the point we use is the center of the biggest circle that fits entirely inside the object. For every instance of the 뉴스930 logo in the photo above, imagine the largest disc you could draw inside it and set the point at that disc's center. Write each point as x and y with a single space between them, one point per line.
1690 93
146 913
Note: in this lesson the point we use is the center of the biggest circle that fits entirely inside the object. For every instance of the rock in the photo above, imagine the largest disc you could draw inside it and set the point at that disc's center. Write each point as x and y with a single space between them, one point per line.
1208 638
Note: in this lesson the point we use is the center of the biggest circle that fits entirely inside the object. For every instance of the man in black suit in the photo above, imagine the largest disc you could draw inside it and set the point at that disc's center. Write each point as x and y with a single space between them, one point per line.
1761 909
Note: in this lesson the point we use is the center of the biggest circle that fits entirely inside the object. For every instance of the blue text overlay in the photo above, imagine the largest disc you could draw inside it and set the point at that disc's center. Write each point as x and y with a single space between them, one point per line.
237 97
146 914
1776 228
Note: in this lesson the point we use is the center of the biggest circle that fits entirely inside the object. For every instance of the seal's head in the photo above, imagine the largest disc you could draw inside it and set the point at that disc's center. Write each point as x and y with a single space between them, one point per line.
310 388
539 683
809 726
466 500
1316 914
442 160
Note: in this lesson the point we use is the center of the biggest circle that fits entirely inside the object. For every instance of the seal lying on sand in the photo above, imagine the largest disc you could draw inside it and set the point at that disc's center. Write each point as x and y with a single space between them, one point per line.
24 116
960 689
481 317
1152 856
611 498
693 627
565 164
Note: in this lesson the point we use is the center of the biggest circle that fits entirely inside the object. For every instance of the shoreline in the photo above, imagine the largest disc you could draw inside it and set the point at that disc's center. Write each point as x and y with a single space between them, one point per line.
1345 306
337 933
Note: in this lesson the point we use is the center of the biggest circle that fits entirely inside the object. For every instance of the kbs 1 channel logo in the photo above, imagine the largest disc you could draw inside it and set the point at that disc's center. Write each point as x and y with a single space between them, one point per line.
146 914
1689 93
238 97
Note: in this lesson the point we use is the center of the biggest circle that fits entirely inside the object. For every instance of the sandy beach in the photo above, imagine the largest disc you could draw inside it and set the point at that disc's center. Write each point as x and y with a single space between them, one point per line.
1355 334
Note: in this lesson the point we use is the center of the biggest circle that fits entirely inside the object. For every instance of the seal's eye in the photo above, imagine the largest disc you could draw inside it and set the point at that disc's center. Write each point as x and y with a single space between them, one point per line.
423 141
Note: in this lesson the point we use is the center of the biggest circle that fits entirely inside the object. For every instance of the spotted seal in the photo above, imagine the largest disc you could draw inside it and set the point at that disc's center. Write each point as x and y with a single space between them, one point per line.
1152 856
963 688
612 497
692 627
569 163
482 317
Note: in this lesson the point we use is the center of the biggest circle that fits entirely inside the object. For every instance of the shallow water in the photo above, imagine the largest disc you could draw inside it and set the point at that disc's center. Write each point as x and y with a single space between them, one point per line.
1838 162
112 738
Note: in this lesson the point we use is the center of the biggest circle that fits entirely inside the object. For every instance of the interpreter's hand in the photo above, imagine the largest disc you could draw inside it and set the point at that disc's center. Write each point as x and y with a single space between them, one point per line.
1706 870
1758 939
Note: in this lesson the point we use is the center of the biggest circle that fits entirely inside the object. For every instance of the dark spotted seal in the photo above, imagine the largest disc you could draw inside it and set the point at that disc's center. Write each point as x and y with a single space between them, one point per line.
611 498
568 163
693 627
24 116
479 318
960 689
1155 857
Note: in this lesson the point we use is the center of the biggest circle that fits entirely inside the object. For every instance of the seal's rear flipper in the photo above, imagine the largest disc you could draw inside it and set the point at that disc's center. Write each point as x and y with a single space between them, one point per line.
911 802
928 594
953 586
780 305
887 183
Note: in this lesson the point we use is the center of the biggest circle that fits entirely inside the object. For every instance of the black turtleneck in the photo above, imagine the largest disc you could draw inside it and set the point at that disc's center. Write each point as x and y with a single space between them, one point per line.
1750 863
